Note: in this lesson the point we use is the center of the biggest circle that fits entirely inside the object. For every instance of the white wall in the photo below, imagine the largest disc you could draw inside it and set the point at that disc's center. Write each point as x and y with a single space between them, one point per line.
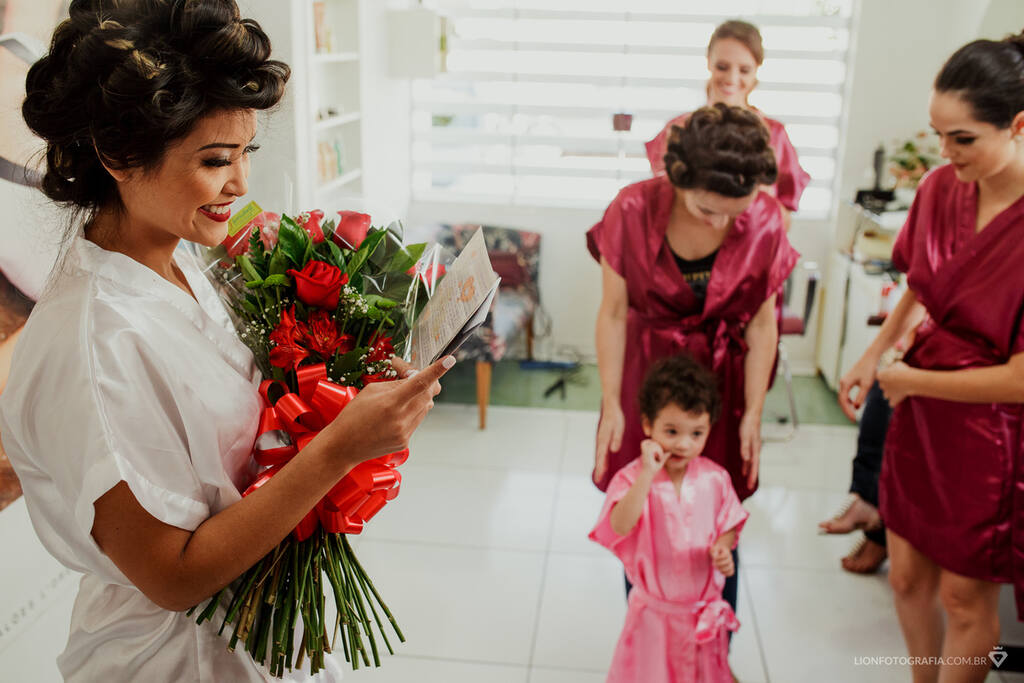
387 133
1000 18
898 49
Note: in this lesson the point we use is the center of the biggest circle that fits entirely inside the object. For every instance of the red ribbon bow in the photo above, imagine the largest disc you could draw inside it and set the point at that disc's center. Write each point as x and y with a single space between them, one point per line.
361 493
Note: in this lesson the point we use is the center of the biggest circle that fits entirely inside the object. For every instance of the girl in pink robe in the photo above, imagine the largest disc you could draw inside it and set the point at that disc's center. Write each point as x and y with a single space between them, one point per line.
953 470
734 54
685 519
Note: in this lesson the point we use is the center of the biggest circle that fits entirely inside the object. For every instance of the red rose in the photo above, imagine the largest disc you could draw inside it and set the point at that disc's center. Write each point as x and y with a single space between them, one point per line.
319 284
310 222
321 335
351 230
237 245
269 224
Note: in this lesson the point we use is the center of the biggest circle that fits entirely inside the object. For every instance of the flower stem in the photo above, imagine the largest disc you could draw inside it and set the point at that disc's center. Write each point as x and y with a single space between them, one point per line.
380 601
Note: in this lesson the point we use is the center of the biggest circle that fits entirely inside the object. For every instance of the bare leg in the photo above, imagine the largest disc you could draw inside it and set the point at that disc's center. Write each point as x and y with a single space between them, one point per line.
915 583
972 625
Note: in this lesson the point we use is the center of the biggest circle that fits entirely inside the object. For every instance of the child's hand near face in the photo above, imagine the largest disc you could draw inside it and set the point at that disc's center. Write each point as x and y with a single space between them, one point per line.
721 557
652 455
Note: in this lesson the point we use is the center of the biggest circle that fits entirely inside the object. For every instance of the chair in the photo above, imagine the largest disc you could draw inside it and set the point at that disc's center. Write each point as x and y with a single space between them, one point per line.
515 257
794 323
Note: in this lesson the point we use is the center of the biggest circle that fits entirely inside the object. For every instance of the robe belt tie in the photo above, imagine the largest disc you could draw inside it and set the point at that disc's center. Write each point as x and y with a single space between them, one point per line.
712 616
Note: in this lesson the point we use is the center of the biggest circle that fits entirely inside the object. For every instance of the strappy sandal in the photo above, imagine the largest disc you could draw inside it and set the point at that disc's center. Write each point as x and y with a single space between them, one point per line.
852 499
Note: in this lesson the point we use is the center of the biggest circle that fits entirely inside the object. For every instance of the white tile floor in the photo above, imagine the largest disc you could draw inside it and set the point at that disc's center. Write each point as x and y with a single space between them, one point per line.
484 560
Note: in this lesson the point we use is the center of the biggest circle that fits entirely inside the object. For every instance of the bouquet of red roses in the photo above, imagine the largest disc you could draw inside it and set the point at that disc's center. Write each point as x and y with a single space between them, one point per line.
323 306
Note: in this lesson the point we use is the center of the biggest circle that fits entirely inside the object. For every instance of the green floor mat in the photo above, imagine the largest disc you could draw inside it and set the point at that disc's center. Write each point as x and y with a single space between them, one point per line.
511 386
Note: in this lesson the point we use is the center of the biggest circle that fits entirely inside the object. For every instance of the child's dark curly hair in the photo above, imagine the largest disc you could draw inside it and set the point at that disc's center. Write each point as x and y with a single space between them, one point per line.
683 381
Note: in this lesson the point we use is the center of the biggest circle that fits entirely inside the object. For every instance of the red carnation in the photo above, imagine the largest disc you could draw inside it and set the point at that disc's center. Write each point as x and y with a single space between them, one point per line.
352 229
319 284
321 335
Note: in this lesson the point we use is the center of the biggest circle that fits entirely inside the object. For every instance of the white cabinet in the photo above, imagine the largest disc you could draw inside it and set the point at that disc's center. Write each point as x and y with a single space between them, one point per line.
833 317
853 292
853 295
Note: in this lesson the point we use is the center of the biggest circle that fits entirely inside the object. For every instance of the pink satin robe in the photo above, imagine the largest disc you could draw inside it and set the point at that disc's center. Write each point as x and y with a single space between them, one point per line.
791 181
665 318
952 480
677 624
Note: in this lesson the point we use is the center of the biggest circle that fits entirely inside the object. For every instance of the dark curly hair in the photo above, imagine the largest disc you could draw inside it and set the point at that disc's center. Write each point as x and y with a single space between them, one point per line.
125 78
681 380
722 149
989 76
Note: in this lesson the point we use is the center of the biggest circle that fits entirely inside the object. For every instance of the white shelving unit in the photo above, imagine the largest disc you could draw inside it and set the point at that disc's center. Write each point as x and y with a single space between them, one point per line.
338 120
329 101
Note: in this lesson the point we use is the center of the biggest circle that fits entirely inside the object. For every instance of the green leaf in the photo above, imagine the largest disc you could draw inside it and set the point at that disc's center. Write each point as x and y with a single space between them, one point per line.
292 240
277 281
256 251
308 253
380 302
253 284
245 265
250 304
406 258
347 363
278 262
366 249
398 286
337 257
328 228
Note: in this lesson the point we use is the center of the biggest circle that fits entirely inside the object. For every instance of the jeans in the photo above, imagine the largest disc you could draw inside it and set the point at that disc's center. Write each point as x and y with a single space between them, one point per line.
867 464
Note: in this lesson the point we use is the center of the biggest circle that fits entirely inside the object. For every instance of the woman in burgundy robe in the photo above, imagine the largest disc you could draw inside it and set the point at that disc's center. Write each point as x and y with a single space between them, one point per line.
655 304
952 484
734 55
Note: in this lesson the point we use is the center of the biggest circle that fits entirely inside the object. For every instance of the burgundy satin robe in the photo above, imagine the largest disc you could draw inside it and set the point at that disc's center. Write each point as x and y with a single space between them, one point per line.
664 315
952 480
792 178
